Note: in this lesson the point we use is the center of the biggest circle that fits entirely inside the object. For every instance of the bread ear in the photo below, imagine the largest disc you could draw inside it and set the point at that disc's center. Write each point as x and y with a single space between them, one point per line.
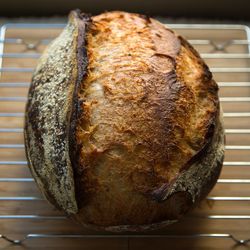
51 104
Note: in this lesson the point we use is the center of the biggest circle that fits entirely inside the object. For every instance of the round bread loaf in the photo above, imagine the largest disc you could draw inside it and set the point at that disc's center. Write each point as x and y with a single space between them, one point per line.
123 128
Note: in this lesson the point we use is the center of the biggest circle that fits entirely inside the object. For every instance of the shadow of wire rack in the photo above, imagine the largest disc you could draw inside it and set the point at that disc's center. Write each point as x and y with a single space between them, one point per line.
221 221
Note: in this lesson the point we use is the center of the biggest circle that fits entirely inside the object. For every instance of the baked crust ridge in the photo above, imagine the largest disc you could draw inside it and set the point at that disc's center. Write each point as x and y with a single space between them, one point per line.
51 112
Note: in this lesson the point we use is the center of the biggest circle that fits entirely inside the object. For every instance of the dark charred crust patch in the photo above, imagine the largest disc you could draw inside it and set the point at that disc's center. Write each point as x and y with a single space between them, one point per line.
83 23
145 17
207 75
189 46
81 16
202 152
159 193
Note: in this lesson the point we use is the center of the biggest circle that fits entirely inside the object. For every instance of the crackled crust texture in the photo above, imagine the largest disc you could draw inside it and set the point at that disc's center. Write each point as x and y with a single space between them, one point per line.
150 109
123 125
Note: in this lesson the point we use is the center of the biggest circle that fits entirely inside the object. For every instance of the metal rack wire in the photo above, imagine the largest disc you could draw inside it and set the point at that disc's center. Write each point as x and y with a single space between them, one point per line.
220 45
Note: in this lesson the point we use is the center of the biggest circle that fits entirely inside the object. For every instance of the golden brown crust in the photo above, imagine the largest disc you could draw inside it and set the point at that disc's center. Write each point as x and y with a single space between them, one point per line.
196 183
140 138
150 107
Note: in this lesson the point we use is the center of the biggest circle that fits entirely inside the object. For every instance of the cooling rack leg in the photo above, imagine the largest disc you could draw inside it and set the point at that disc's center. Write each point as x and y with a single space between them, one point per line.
16 242
128 243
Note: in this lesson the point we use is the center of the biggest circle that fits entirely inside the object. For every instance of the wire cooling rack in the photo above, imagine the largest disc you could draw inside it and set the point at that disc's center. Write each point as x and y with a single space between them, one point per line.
221 221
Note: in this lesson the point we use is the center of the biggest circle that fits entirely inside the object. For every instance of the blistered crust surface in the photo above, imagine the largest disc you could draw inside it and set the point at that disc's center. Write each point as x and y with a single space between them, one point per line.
150 110
189 183
137 142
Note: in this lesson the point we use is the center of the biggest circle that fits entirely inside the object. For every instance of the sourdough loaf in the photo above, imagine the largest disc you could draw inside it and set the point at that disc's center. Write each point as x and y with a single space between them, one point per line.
123 127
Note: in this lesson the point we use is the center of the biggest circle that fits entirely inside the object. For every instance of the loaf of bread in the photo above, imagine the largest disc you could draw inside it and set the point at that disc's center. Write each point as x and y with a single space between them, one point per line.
123 128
